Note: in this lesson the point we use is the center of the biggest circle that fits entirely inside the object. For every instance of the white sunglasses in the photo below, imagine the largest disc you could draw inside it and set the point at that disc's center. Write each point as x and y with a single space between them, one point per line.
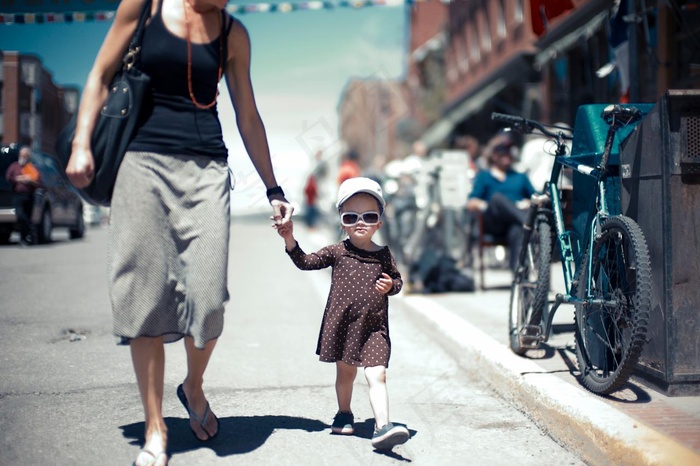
348 219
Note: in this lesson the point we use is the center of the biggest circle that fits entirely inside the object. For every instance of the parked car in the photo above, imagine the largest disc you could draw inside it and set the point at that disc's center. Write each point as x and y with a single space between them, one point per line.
56 202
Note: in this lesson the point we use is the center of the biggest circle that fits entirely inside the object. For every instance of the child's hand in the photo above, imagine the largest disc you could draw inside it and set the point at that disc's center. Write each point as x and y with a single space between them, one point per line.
285 230
384 284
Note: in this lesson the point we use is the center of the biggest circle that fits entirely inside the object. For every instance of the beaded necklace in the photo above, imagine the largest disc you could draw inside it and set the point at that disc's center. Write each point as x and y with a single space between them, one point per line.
189 61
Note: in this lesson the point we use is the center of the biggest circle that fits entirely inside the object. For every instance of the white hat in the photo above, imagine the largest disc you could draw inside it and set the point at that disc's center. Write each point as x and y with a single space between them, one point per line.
353 186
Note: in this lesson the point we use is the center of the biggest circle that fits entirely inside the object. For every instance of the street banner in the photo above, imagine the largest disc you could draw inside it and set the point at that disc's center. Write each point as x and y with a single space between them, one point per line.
52 11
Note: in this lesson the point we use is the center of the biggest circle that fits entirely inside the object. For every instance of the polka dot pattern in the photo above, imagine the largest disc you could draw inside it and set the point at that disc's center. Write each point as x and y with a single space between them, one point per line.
355 326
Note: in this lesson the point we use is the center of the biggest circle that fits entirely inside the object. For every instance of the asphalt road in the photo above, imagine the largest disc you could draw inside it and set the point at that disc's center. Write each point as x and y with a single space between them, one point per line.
68 394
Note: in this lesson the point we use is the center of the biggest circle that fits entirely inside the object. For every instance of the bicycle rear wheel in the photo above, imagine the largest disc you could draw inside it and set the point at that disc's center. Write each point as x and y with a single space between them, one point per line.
611 327
528 294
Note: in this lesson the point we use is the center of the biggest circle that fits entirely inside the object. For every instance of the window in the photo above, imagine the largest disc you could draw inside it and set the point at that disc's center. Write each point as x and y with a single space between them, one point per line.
518 16
501 19
474 52
485 30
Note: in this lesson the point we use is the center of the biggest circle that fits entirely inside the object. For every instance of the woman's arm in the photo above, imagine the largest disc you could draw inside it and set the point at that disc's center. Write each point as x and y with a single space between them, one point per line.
80 168
248 119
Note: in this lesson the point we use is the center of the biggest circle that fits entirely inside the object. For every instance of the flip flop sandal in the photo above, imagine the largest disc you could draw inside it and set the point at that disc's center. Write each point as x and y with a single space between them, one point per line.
193 415
155 457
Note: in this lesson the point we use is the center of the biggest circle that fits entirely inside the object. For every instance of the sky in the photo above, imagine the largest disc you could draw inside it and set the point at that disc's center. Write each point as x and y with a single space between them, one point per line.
301 61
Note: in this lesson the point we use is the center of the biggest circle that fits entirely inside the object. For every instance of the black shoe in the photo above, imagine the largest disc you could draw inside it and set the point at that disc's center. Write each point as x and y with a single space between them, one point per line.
342 423
389 436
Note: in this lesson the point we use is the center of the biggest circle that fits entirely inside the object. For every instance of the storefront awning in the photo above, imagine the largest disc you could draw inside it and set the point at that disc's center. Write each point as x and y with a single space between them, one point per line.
442 128
475 100
553 49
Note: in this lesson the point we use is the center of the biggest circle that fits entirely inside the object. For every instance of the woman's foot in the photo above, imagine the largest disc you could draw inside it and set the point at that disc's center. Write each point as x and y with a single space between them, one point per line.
153 452
147 458
203 422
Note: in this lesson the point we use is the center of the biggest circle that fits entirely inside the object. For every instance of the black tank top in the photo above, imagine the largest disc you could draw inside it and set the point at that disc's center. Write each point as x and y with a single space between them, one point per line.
169 122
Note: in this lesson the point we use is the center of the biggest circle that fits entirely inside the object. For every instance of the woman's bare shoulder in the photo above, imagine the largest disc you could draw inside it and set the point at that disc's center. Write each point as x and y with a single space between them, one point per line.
237 29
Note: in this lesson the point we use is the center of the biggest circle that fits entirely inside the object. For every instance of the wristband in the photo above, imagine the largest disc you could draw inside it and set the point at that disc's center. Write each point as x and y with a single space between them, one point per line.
274 190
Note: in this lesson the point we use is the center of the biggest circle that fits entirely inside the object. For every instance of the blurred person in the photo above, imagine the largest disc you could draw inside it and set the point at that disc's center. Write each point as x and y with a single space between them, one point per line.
471 145
401 207
537 162
417 166
355 328
24 179
502 195
170 215
310 200
349 167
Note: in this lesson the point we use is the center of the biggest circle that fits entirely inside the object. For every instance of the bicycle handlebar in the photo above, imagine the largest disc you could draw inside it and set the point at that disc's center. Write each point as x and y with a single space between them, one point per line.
528 126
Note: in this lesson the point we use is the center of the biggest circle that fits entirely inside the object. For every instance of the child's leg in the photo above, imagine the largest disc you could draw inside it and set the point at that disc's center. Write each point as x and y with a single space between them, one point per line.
378 395
386 435
344 379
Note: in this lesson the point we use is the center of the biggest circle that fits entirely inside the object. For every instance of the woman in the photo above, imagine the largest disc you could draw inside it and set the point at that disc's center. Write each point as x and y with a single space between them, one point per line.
169 227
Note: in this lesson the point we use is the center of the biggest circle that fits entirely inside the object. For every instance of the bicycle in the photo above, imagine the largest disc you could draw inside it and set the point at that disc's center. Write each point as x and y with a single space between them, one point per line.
607 273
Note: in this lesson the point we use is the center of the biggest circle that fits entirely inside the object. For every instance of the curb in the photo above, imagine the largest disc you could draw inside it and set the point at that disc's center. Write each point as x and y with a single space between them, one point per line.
597 432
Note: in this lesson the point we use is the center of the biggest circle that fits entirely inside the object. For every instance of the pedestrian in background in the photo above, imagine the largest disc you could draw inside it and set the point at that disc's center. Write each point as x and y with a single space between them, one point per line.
349 167
310 200
24 179
170 211
355 327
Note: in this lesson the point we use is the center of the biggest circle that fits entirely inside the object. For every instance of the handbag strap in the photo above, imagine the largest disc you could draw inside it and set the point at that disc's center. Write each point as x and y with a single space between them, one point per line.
131 57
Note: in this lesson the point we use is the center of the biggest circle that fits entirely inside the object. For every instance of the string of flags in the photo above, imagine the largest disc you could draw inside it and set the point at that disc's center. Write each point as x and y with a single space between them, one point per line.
234 9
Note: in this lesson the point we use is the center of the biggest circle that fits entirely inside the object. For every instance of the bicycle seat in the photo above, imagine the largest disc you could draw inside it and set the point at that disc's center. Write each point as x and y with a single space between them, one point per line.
619 116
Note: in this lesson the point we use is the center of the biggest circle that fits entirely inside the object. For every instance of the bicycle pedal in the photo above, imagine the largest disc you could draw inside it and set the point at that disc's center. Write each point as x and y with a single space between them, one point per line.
531 336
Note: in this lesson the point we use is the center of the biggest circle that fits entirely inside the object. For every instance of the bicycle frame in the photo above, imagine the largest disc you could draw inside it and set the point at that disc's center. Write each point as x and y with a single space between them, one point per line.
596 214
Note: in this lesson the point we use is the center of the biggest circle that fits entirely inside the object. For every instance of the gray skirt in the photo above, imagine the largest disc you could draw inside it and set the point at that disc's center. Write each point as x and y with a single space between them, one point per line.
168 248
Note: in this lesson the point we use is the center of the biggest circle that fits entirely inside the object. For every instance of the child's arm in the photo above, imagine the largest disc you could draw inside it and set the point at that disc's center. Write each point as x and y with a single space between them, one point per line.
318 260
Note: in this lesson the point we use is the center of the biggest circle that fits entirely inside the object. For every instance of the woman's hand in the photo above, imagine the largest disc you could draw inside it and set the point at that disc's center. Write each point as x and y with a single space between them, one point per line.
384 284
282 210
81 167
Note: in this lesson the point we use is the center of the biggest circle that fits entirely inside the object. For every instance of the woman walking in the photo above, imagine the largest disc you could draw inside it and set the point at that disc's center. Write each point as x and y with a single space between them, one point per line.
169 230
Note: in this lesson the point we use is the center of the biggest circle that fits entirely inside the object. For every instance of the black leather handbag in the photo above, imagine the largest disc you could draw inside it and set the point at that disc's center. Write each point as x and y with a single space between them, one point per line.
116 122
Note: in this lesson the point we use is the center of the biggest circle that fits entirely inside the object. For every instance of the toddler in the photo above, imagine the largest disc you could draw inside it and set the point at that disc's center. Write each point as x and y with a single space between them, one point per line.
355 327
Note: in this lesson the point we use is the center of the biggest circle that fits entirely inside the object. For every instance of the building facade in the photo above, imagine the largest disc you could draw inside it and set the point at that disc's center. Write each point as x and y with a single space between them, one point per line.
542 59
369 112
34 109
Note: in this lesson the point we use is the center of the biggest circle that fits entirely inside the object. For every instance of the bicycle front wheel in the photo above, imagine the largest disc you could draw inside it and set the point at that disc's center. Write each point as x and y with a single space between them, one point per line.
611 326
528 294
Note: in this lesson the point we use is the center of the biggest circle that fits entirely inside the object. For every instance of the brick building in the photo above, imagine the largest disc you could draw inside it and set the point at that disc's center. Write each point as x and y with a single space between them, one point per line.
543 58
33 109
369 111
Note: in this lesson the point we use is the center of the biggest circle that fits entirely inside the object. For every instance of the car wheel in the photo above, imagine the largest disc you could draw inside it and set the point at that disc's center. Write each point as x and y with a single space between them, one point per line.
5 235
78 231
45 226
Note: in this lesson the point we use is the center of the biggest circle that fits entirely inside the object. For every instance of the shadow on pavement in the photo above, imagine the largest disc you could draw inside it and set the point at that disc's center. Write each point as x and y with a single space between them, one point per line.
237 434
630 393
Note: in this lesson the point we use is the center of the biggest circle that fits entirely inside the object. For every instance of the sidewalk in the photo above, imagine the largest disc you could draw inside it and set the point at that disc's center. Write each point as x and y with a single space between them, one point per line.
635 426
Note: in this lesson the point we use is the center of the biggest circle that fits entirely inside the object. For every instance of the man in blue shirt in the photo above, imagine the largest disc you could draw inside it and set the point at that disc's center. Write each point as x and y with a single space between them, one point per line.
502 195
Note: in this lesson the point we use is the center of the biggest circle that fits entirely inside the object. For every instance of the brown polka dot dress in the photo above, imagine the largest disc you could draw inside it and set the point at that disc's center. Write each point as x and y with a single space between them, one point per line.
355 326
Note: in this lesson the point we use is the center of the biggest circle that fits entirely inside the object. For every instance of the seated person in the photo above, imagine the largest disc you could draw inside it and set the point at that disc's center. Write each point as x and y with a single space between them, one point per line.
502 195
